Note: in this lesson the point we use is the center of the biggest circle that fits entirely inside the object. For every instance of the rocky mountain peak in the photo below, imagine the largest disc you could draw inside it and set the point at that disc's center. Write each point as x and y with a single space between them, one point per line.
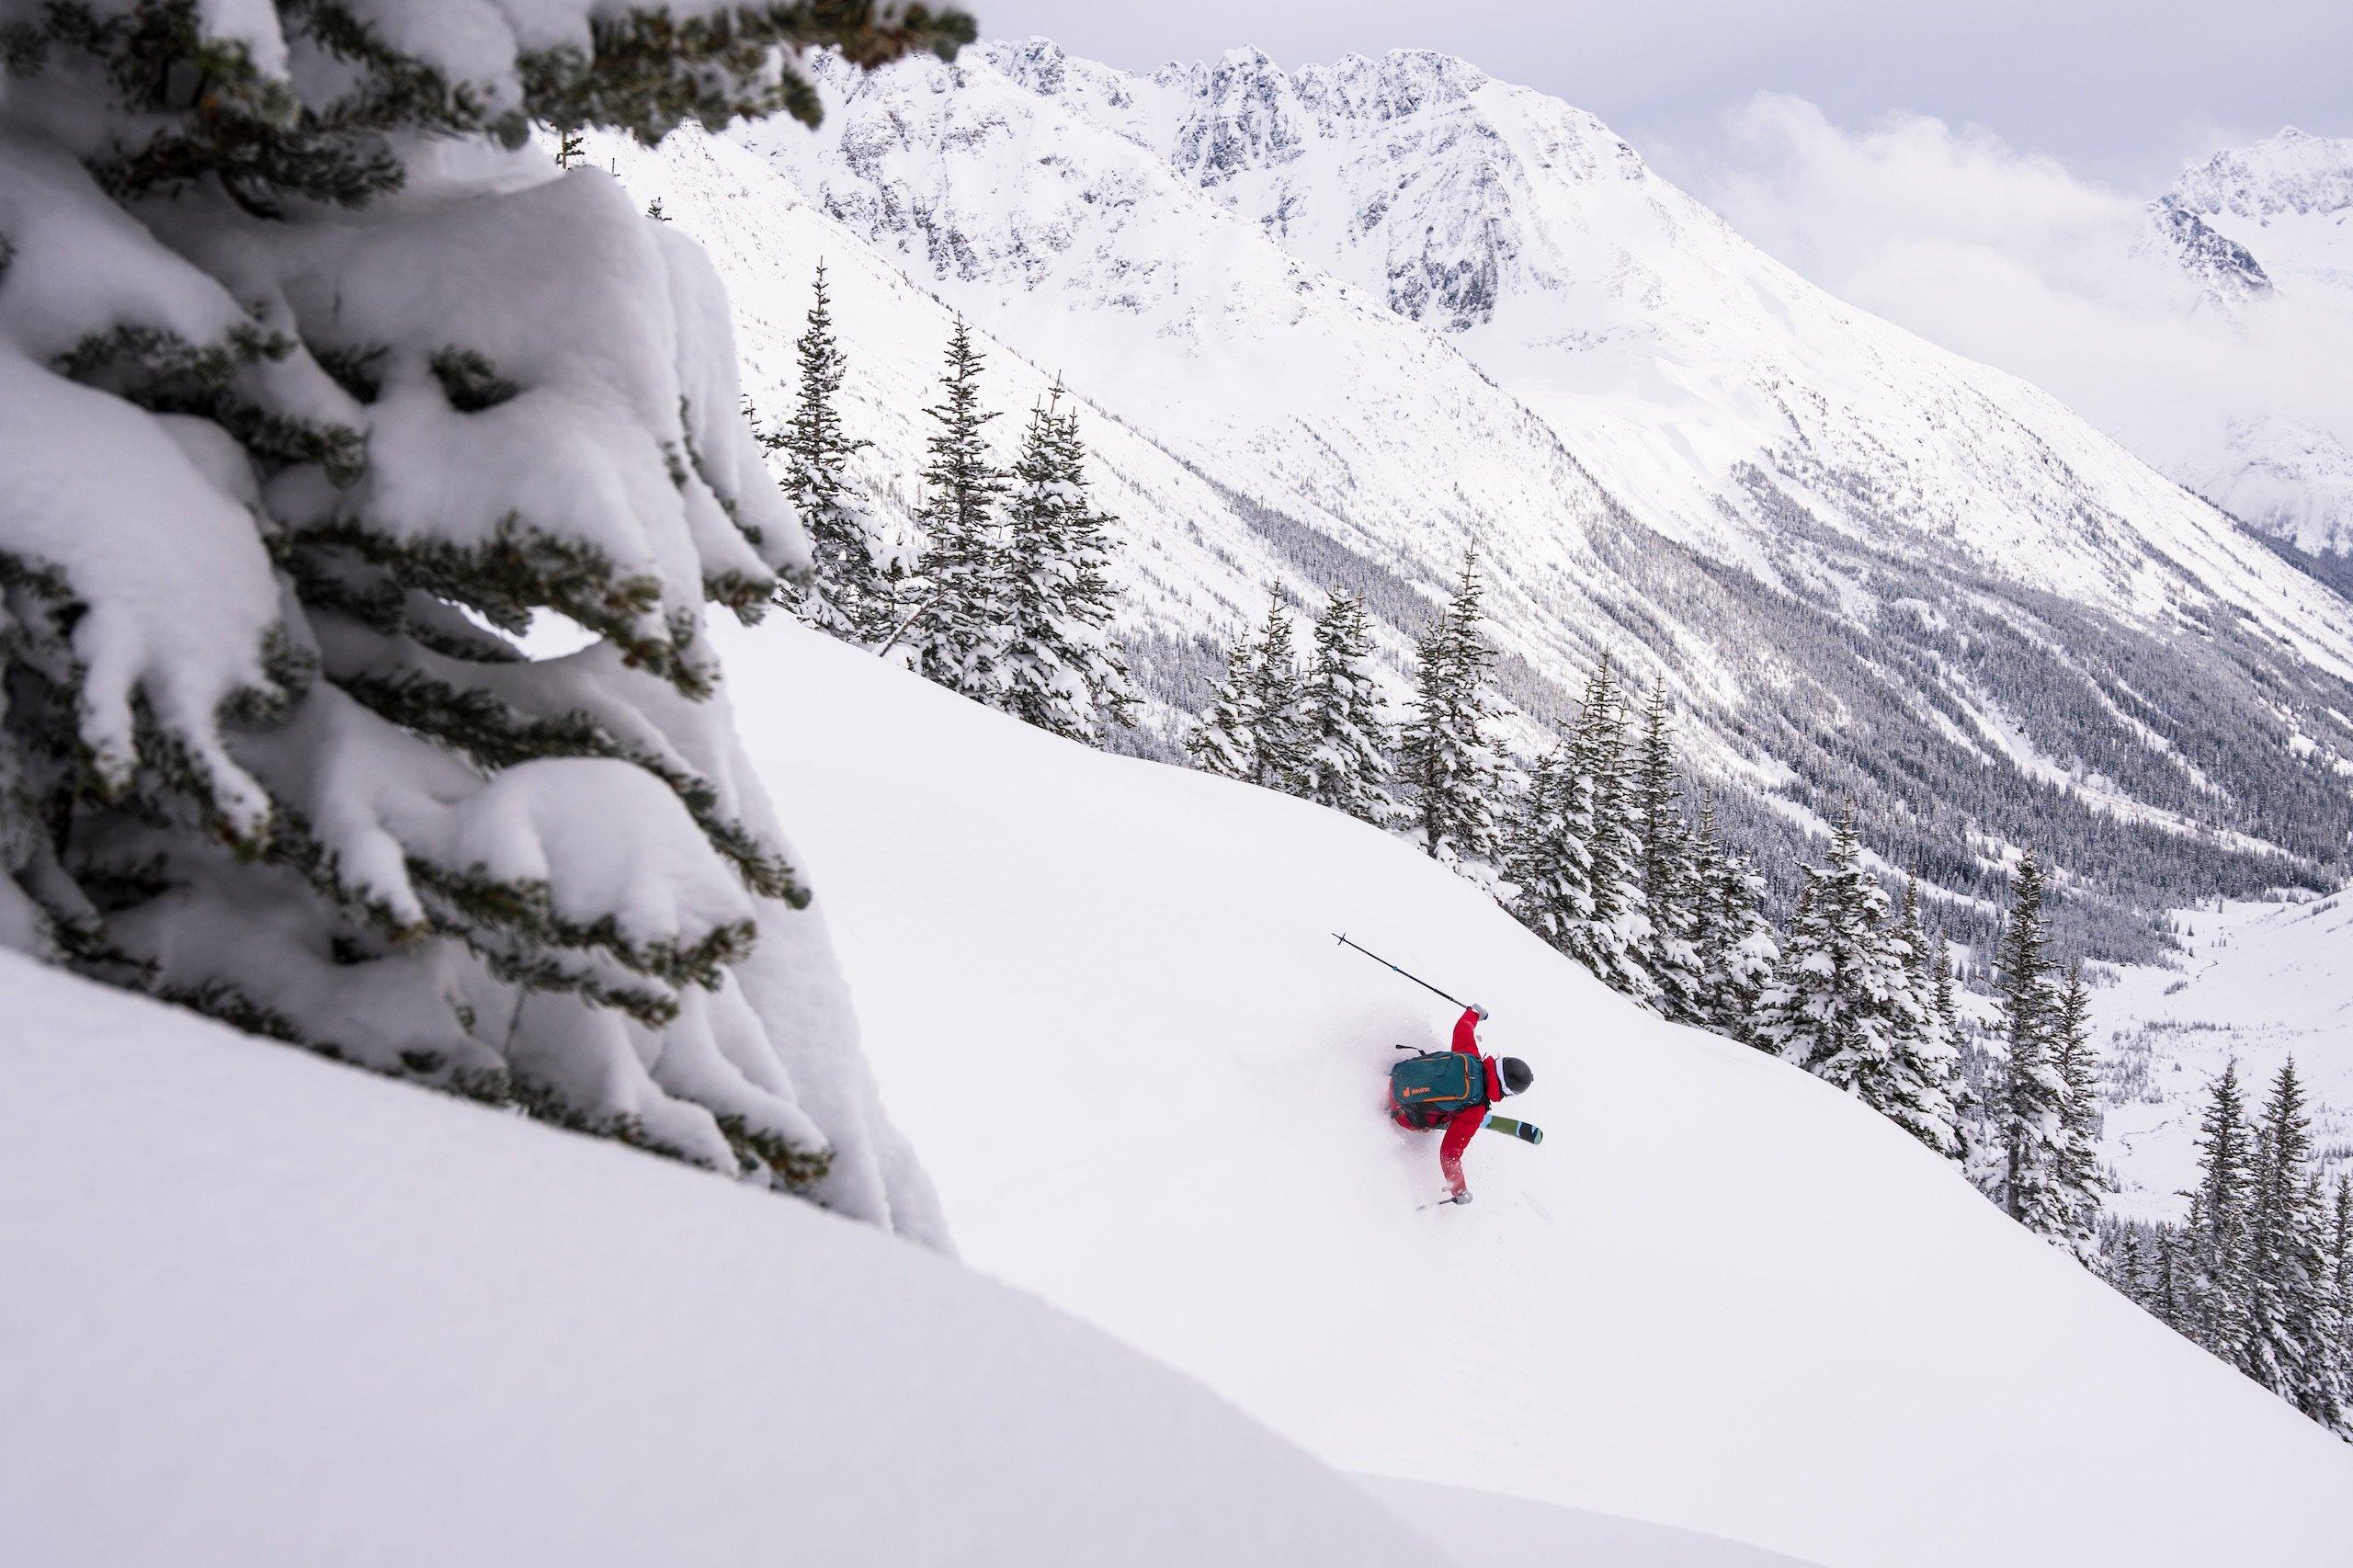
2292 172
2224 269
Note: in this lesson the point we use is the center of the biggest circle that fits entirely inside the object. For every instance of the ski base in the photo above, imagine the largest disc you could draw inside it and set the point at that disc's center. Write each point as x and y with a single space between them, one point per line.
1526 1130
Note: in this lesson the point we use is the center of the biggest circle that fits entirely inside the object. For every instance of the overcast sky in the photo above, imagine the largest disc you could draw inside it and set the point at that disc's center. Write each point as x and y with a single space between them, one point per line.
2121 91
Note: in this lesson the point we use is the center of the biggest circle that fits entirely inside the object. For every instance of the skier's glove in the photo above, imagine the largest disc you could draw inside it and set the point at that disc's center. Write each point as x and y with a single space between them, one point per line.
1480 1010
1462 1197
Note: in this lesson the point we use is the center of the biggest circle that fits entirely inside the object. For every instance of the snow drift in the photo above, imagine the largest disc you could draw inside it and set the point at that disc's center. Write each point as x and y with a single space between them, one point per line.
1103 998
265 1310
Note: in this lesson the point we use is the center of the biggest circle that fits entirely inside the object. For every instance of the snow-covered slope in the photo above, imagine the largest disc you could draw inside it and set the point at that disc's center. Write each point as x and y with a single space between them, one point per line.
261 1310
2257 982
1103 996
1481 1529
1384 309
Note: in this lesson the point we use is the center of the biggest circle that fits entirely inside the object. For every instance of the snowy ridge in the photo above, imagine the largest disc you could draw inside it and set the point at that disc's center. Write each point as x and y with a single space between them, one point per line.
1720 1295
1804 520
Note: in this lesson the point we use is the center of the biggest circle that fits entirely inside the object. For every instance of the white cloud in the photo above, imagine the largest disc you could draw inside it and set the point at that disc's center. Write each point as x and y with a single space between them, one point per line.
2013 259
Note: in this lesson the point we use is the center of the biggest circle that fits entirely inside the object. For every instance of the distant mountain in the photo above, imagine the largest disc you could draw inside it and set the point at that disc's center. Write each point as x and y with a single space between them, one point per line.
2225 271
1358 317
2287 199
2258 227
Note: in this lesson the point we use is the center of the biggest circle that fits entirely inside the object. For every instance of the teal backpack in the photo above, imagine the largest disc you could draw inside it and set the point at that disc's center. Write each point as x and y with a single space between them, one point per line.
1438 1084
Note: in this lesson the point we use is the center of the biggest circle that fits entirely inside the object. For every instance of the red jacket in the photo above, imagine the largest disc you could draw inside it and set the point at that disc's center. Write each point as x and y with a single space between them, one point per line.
1463 1125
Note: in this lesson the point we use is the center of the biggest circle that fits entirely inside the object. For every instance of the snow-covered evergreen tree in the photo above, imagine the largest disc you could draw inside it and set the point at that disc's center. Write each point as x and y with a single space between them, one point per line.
1609 937
2076 1061
1271 713
2339 1293
1089 604
2340 1287
2218 1304
317 385
954 633
2125 1265
1445 759
1797 997
1347 739
1057 666
1539 879
2168 1297
1670 887
848 595
1832 1004
1733 934
2033 1101
1220 744
2287 1263
1925 1065
1977 1148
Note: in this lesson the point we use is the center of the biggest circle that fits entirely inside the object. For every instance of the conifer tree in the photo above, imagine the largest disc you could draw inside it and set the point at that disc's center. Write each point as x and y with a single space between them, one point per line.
1734 938
2331 1368
2168 1297
1270 705
1546 861
2218 1305
1669 885
847 595
1791 1009
1968 1112
2032 1096
1220 744
1445 761
1924 1060
338 386
955 630
1089 604
1347 740
653 210
568 148
2340 1275
2125 1265
1831 1004
1058 667
1609 935
2289 1309
2077 1063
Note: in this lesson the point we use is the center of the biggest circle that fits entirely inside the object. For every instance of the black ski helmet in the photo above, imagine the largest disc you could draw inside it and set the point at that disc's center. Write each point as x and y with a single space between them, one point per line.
1516 1076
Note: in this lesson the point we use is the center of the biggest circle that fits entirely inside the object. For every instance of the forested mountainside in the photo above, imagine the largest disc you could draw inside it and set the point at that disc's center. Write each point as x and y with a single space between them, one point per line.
1863 567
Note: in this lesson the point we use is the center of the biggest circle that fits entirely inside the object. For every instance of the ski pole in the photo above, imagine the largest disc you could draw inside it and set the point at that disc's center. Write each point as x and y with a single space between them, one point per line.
1386 964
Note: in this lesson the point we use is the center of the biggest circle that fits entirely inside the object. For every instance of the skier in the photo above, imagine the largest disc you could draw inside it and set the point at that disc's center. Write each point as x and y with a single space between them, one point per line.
1463 1109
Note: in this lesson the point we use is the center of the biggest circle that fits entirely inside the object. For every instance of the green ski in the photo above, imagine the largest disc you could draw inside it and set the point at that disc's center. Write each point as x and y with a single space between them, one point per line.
1527 1130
